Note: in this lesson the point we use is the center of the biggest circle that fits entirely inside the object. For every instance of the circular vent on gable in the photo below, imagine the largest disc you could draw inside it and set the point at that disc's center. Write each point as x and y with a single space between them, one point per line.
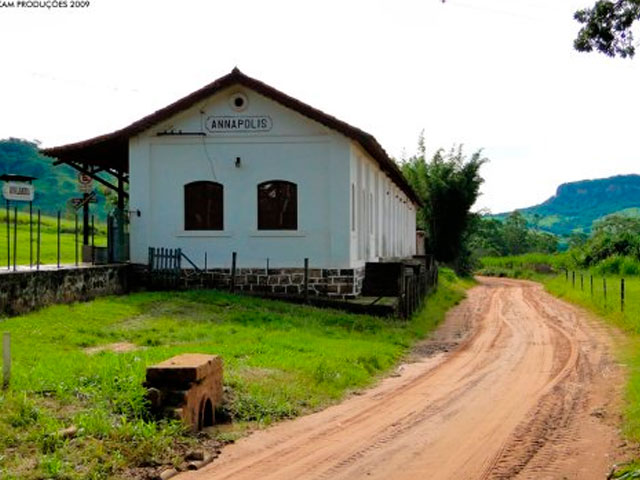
238 102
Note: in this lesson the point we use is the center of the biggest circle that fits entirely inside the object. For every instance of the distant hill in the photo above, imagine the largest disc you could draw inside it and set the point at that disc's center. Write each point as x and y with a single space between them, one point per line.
576 205
54 186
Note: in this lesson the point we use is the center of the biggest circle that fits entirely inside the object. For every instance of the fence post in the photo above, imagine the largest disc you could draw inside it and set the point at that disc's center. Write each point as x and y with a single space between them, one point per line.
591 283
76 238
306 280
93 242
58 238
164 255
150 271
407 281
573 279
566 274
8 236
604 289
406 295
15 237
622 294
111 256
205 261
30 234
6 360
581 282
414 293
234 256
178 267
38 244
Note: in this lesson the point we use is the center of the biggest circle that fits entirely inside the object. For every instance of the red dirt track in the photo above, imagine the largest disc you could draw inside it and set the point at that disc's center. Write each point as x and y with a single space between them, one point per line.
515 384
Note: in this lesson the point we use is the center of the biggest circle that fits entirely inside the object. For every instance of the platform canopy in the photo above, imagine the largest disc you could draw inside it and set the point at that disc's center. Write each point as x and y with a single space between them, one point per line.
12 177
105 154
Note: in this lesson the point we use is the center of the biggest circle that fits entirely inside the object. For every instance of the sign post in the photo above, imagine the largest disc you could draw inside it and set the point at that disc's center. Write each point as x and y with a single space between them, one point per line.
85 184
18 188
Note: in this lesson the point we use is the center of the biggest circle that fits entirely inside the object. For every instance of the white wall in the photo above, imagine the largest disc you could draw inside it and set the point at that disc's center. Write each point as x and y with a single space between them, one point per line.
296 149
385 218
324 164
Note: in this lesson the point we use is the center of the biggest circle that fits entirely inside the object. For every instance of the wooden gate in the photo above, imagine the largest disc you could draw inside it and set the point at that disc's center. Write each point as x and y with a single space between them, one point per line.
165 268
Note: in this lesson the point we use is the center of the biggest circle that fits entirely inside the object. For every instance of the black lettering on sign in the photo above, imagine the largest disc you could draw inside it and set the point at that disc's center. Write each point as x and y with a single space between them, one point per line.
246 124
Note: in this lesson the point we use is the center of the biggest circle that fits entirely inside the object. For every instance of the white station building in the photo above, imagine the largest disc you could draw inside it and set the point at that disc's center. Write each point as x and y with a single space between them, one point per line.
239 166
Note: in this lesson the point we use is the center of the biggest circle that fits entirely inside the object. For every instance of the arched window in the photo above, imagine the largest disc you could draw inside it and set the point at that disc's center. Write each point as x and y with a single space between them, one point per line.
203 206
277 205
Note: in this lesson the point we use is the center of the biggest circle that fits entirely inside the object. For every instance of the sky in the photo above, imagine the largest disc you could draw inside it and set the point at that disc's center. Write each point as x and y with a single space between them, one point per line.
496 75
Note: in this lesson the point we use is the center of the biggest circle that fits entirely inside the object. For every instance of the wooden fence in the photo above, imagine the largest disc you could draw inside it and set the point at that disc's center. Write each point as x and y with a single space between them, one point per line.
598 287
417 282
165 268
409 280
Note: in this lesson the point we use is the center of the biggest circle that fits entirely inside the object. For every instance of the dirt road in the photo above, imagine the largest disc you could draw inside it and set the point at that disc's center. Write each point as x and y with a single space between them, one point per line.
514 384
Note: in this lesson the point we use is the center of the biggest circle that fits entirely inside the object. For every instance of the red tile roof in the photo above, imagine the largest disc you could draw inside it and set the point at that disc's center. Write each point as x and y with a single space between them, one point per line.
111 150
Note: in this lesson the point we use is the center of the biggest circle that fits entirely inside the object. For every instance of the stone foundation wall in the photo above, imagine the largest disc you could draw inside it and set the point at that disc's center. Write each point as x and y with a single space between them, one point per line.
25 291
332 283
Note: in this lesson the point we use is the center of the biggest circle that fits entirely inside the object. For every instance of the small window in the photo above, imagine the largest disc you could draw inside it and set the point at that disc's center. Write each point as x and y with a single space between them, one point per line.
277 205
203 206
238 102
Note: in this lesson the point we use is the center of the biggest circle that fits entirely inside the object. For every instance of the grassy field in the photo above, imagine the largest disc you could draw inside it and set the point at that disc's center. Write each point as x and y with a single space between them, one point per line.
49 239
281 360
522 265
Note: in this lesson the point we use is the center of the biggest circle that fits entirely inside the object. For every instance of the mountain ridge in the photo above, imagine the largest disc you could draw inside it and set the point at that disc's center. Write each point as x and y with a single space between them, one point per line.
576 205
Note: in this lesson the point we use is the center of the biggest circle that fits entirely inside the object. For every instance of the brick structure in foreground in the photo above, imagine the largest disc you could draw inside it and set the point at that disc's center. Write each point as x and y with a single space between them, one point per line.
188 387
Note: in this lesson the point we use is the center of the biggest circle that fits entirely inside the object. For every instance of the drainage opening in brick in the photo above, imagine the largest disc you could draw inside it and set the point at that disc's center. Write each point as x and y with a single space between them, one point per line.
187 386
206 414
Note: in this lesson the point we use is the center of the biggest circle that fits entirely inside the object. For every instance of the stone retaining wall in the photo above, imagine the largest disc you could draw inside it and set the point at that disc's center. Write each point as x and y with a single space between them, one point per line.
25 291
332 283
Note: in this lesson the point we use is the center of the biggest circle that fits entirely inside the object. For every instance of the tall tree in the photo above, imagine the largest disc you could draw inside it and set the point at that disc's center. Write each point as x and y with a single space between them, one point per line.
607 27
516 233
448 185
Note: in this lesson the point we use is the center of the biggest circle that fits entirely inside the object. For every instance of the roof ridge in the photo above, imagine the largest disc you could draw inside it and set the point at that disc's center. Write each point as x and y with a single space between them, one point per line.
366 140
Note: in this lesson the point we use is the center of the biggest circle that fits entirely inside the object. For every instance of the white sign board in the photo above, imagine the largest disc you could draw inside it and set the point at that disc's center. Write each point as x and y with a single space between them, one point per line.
243 124
85 182
18 191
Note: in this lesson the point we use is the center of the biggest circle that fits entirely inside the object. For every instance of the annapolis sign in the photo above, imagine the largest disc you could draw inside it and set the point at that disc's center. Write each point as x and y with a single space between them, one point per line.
222 124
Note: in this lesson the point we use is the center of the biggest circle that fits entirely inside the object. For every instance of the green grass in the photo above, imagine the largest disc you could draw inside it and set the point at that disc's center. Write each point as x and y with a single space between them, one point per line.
281 360
524 266
48 241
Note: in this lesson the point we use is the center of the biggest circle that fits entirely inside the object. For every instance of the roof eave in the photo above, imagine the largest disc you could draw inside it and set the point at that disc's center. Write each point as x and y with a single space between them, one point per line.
366 140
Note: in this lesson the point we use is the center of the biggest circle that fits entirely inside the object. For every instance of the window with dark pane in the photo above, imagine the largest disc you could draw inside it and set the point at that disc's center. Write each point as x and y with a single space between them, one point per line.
203 206
277 205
